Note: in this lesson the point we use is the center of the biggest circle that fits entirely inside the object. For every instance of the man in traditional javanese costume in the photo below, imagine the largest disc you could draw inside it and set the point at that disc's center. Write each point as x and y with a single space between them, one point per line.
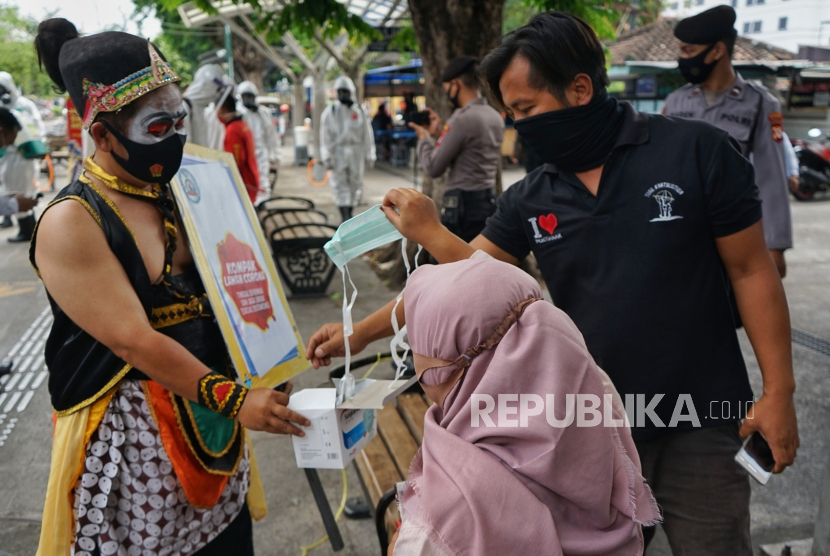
151 453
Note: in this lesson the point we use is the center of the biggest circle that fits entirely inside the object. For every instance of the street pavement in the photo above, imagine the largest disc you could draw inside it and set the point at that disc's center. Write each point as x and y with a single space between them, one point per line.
784 509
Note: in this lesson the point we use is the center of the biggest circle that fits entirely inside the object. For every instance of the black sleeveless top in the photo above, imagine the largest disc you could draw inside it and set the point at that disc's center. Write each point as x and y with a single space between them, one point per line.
81 369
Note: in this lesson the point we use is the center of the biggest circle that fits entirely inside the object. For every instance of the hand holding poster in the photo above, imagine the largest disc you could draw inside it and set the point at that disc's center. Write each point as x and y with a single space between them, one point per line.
236 266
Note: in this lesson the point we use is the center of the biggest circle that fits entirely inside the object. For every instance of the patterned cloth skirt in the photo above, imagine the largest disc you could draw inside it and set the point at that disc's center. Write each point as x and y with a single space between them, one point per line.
128 501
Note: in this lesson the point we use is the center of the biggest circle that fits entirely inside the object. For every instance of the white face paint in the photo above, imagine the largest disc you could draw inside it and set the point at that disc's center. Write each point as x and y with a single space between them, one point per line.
161 116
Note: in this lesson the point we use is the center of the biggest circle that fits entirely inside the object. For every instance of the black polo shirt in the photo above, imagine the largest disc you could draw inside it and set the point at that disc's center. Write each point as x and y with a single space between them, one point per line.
637 268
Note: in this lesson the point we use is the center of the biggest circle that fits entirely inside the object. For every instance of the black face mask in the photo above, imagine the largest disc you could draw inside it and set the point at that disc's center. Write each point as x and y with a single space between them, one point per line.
252 106
156 163
694 69
5 99
454 98
574 139
345 98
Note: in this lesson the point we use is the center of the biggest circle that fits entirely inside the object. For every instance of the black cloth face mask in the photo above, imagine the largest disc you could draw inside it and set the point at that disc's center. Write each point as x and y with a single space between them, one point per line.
454 98
345 98
155 163
574 139
695 70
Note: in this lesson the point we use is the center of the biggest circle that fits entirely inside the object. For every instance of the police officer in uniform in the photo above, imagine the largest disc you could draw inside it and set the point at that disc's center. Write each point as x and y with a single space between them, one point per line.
469 144
719 95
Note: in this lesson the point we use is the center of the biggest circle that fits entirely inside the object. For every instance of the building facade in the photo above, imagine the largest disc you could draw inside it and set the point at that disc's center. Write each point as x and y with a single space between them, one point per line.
787 24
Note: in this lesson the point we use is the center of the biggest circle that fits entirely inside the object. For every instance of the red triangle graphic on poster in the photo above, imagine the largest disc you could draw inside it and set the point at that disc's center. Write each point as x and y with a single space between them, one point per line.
245 281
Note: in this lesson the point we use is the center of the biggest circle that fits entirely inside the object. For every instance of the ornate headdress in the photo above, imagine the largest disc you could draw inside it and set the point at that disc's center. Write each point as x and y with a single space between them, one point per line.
110 98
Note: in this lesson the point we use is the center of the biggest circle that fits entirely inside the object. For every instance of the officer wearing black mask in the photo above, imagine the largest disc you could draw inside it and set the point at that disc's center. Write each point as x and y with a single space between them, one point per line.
469 144
747 111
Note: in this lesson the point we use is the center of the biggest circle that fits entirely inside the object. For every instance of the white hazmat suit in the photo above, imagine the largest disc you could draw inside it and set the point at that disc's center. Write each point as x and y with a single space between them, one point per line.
208 82
266 140
18 174
347 143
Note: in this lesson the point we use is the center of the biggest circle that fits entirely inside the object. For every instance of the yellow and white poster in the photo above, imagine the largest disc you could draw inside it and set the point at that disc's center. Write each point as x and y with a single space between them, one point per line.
235 263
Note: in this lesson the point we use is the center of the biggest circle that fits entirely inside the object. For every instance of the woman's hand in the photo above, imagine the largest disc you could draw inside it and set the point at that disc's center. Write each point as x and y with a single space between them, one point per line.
265 409
328 342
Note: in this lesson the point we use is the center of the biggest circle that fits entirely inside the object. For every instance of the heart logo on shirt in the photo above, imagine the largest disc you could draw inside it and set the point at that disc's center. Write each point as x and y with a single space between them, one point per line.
548 223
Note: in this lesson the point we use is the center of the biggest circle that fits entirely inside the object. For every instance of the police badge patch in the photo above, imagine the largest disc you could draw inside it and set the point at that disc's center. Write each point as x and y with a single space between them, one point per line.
777 122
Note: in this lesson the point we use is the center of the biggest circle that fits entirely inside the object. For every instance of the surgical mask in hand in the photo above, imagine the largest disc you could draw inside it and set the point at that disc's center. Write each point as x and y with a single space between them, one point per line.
358 235
353 238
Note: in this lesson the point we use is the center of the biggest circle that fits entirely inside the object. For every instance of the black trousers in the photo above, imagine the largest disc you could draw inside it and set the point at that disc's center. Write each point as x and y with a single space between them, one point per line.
236 539
466 212
703 492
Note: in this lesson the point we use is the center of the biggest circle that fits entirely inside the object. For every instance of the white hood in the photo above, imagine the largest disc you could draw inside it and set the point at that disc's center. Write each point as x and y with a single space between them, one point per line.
7 82
247 88
207 85
345 82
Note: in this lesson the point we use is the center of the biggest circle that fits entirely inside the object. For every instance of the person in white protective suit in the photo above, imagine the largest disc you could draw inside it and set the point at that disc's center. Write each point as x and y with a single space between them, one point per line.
266 140
347 143
18 175
208 83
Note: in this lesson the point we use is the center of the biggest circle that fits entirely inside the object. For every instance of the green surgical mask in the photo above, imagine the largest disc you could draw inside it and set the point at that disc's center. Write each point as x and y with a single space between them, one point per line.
353 238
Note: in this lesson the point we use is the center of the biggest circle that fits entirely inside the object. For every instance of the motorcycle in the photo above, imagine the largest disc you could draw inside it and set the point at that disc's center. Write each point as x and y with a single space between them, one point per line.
814 165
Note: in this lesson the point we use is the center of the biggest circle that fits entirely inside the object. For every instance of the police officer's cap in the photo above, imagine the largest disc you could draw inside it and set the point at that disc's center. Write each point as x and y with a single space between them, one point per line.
458 66
707 27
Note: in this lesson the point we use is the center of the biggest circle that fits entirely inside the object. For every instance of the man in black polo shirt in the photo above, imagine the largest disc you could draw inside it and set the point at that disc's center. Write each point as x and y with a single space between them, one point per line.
638 223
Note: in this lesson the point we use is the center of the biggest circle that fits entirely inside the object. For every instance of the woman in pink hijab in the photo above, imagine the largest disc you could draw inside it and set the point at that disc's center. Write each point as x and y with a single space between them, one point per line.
479 327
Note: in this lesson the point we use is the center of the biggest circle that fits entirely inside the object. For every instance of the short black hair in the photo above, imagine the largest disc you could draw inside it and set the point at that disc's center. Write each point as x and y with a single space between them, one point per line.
229 103
729 43
470 78
558 46
7 120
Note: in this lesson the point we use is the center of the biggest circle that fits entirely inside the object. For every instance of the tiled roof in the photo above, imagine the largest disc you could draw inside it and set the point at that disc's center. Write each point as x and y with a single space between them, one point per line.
656 42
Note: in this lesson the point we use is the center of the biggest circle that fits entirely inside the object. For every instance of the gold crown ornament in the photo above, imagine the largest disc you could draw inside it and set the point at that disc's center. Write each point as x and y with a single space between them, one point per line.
110 98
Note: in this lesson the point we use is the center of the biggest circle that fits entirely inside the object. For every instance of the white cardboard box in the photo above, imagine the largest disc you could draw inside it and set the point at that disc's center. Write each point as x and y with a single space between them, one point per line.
337 433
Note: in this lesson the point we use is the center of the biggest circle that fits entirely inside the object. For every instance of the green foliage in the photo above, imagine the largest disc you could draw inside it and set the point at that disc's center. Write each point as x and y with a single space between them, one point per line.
20 60
405 40
180 45
17 53
306 16
517 13
603 15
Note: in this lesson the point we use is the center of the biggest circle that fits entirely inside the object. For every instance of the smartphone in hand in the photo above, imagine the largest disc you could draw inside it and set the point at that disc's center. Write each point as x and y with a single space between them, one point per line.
756 457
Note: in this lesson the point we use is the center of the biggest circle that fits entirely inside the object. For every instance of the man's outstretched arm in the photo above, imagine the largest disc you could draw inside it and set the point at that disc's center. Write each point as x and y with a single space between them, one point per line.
416 217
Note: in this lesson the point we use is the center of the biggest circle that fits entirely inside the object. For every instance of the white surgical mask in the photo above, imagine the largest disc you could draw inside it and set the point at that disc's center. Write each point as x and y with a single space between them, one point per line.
353 238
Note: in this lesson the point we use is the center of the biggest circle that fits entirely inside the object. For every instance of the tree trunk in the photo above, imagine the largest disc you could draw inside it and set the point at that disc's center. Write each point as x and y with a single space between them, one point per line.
298 105
318 104
444 29
449 28
355 73
248 63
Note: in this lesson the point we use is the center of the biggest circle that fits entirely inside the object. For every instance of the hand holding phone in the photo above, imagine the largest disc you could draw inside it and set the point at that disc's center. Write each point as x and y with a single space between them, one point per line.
756 457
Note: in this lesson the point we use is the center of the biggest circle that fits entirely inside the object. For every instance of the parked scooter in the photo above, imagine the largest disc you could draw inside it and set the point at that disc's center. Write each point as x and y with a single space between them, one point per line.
814 164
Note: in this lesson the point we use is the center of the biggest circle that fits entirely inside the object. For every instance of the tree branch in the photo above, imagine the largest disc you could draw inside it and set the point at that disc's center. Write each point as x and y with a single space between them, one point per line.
266 51
298 51
332 50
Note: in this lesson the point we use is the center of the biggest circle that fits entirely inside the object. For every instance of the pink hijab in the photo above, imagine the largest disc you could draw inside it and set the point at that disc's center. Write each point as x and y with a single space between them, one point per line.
526 490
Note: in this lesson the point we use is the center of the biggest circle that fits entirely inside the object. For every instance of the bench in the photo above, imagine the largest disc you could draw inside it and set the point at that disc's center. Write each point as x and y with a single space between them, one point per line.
386 459
297 233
